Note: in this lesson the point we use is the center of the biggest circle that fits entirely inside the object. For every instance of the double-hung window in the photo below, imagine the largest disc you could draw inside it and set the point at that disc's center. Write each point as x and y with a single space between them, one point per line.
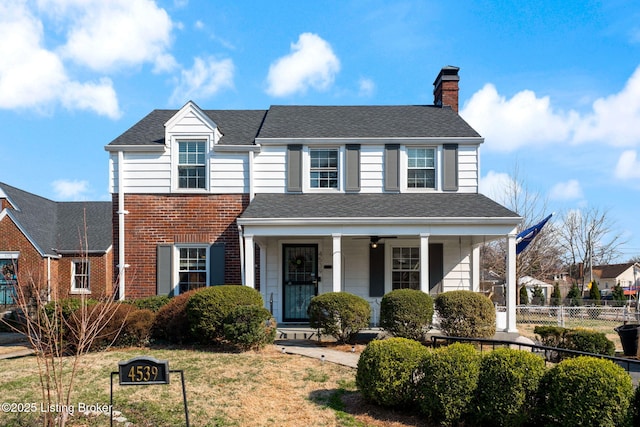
192 268
421 167
80 275
191 164
405 268
323 168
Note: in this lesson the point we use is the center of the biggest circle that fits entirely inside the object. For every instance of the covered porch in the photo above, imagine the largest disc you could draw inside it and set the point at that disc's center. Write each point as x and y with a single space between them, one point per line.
369 245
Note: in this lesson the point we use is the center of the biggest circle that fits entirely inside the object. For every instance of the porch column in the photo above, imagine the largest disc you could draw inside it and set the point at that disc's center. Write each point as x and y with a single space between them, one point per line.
249 261
337 262
475 268
424 262
512 288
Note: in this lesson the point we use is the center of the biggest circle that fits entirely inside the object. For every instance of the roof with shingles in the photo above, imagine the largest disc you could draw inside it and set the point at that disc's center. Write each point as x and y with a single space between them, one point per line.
401 205
60 226
611 271
242 127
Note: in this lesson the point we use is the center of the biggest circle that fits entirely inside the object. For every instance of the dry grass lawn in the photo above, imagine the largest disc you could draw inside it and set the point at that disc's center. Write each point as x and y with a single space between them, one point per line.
264 388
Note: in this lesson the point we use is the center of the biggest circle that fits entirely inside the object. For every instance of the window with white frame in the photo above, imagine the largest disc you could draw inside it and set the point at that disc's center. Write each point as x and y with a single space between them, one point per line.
80 275
323 168
421 167
192 268
405 268
191 164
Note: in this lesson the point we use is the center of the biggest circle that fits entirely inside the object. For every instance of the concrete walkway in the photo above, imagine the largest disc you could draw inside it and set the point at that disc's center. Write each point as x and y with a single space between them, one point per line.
14 345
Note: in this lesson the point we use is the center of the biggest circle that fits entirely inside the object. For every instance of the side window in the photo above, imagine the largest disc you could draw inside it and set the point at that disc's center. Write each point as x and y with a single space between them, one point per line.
405 268
421 167
192 269
323 168
80 276
191 164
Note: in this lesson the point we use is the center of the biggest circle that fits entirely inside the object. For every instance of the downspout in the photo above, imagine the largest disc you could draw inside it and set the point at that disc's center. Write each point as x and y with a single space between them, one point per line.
240 236
121 214
49 279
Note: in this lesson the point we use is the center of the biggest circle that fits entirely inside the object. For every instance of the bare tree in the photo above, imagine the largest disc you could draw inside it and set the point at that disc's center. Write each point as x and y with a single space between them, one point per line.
587 238
50 329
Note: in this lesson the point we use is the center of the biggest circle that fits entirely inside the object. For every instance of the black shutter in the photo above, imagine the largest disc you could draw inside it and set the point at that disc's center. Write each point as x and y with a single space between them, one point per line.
294 168
450 167
164 270
352 167
392 167
216 264
436 264
376 271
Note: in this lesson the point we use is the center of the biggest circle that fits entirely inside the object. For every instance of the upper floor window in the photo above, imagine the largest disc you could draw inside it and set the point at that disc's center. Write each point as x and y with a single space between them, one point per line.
192 269
421 167
191 164
324 168
80 275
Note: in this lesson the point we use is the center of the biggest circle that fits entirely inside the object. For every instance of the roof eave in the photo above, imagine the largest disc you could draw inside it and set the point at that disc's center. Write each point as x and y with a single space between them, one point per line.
475 140
135 148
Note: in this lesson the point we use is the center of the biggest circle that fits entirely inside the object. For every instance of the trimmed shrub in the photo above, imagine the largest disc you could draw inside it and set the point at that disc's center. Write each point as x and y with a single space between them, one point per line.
249 327
339 314
507 387
207 308
578 339
171 322
406 313
447 379
153 303
385 370
137 329
466 314
585 391
634 415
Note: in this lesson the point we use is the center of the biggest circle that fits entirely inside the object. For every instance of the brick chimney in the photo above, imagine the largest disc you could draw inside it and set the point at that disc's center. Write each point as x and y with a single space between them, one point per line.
445 88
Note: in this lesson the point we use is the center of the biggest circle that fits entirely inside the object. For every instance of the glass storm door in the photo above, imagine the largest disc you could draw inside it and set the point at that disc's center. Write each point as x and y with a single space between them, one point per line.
300 280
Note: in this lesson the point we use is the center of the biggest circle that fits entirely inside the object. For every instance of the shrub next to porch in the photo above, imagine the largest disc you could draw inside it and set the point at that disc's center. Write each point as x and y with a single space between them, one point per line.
339 314
466 314
406 313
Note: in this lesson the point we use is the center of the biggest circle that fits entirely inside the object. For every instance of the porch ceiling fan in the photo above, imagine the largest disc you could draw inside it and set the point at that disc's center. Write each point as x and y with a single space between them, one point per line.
375 240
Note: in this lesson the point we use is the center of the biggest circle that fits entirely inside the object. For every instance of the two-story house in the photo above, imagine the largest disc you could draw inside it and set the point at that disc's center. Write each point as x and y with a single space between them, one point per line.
62 249
301 200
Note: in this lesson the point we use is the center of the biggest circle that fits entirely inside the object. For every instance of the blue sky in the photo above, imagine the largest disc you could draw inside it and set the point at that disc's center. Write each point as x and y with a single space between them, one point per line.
554 87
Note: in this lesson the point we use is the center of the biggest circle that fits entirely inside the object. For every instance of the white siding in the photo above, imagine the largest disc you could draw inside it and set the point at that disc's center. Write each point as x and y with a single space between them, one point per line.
269 170
371 169
190 124
468 169
228 173
457 265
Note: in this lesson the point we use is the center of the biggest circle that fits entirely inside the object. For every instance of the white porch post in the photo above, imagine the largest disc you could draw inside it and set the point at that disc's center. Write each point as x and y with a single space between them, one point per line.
512 288
249 261
424 262
337 262
475 268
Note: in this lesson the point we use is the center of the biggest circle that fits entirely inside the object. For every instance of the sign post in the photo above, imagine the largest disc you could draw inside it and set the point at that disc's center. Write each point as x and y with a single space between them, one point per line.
146 370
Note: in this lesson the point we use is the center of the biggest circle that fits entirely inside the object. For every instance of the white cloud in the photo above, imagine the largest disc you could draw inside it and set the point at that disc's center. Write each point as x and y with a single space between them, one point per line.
34 77
497 186
508 124
107 35
569 190
70 190
367 87
628 166
205 79
311 64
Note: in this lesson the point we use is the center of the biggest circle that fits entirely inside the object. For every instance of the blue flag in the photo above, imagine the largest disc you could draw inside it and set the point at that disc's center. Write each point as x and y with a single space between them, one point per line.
526 236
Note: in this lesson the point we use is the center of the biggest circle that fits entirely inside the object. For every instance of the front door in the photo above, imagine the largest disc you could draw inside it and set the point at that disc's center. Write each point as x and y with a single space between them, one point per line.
300 280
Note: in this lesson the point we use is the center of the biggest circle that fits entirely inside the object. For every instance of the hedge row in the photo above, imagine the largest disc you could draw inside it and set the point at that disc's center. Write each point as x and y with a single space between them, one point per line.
456 385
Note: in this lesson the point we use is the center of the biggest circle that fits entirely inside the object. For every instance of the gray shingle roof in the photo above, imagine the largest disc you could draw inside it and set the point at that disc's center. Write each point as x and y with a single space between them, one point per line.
60 225
241 127
430 205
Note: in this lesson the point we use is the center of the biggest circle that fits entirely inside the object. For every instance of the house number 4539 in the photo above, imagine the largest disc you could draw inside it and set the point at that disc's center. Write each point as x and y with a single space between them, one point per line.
144 370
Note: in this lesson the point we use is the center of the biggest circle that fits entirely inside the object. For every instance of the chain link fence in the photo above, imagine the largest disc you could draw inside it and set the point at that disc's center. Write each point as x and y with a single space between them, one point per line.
598 318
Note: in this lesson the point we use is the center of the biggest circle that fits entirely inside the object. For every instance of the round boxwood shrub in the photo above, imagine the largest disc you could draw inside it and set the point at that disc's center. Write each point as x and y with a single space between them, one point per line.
466 314
339 314
249 327
385 370
589 341
585 391
446 382
207 308
171 322
406 313
507 387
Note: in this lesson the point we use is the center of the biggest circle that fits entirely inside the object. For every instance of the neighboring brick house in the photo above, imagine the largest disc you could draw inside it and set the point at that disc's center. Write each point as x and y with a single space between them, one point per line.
63 248
301 200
